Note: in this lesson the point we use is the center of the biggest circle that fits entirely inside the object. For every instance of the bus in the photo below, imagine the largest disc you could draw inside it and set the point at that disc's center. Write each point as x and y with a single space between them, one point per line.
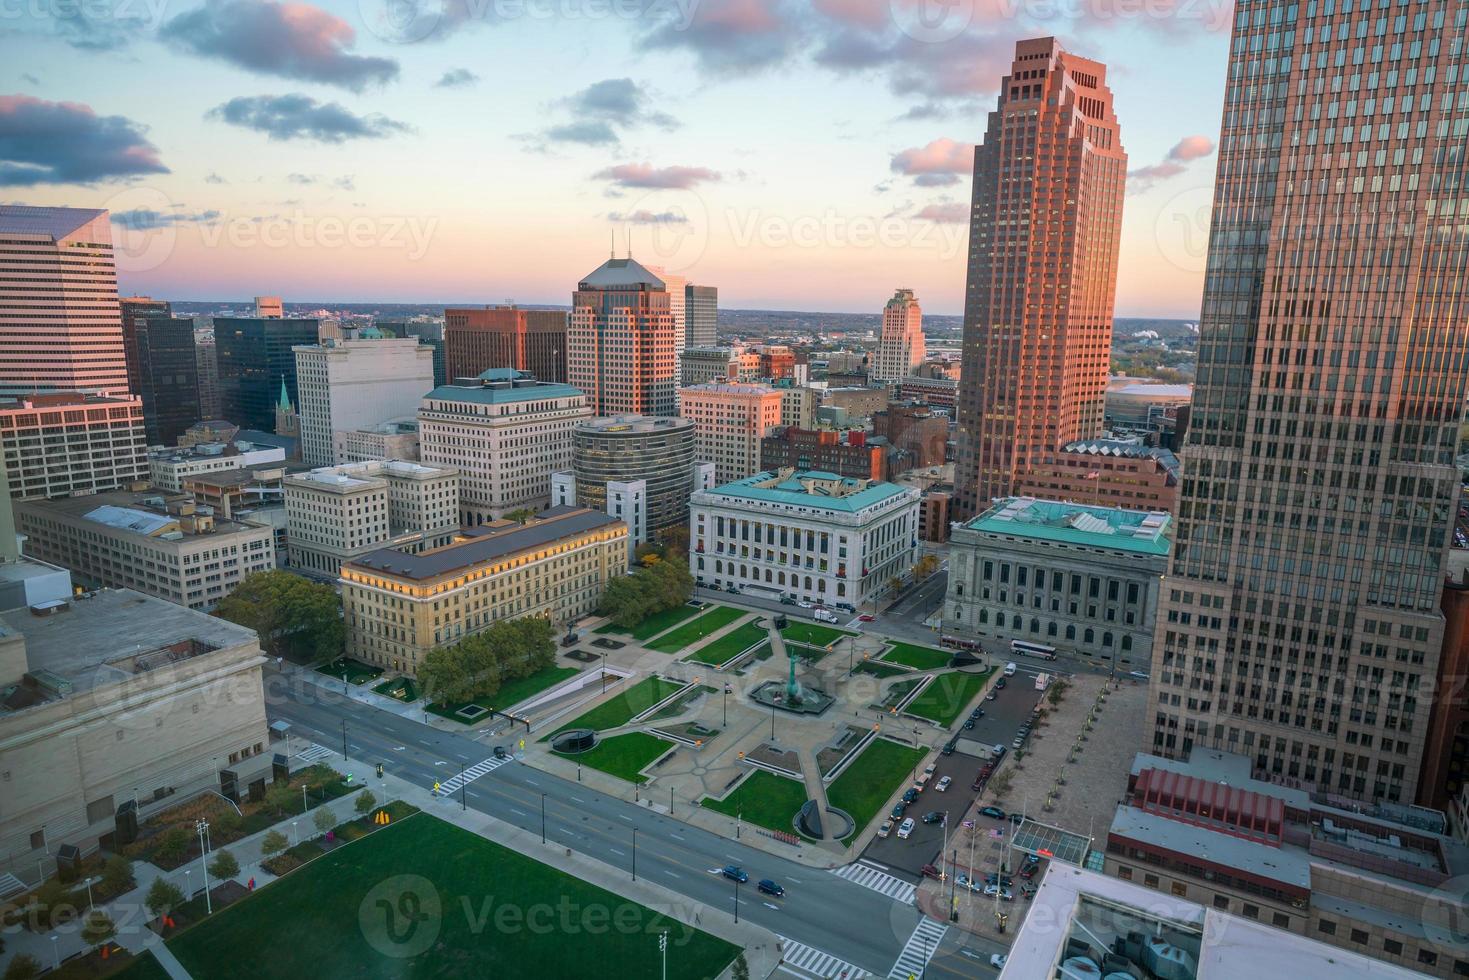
1033 649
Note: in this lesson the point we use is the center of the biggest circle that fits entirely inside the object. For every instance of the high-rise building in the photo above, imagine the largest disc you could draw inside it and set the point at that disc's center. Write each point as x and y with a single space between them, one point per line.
429 333
255 358
206 366
354 384
900 347
729 422
269 307
701 316
702 365
132 307
1300 623
1044 233
64 442
60 327
163 370
656 455
477 340
677 287
620 341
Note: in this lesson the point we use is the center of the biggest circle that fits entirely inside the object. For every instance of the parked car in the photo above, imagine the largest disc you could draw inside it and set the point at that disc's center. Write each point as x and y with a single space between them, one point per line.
787 600
735 873
805 603
996 879
898 809
905 829
999 752
964 881
992 811
500 752
928 769
968 724
910 795
1000 684
768 887
1027 890
977 714
1004 893
942 784
885 829
997 960
933 816
990 696
1019 741
1017 818
845 607
948 748
929 871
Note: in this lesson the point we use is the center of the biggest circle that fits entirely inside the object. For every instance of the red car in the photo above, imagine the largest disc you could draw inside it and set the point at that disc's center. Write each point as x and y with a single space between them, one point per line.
864 618
929 871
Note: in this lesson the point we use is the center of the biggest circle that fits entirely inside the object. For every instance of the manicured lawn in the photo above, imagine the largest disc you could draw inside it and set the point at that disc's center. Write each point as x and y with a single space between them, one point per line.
917 657
877 669
809 654
624 755
690 632
765 799
734 642
423 898
621 709
815 633
864 787
510 694
899 690
357 671
400 688
142 967
656 623
948 696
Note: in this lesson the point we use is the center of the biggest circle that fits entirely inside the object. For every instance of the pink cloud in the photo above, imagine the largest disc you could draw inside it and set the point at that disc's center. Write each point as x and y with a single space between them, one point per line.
940 156
1191 148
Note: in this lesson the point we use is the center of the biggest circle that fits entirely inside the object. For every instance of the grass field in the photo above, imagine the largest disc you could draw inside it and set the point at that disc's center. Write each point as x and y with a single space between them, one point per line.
917 657
624 755
656 623
877 669
423 898
690 632
864 787
140 967
621 709
734 642
510 694
765 799
948 696
815 633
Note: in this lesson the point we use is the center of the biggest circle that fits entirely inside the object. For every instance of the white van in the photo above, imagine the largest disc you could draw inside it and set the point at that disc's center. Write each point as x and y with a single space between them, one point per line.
1010 669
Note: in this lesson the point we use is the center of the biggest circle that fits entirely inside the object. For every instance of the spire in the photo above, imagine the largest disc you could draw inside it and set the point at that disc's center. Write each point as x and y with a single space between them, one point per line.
285 403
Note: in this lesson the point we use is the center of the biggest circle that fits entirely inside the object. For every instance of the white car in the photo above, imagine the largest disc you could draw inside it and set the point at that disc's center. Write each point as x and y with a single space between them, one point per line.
804 603
885 829
942 784
964 881
997 960
993 890
905 828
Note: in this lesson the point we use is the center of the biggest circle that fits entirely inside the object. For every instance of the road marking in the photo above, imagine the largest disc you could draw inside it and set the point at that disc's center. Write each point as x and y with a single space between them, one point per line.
521 812
470 774
671 874
675 836
399 748
617 852
808 963
919 949
578 799
770 906
884 884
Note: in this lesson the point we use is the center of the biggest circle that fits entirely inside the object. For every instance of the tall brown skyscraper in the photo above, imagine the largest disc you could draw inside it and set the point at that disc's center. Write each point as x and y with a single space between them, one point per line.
1043 240
476 340
1300 625
621 341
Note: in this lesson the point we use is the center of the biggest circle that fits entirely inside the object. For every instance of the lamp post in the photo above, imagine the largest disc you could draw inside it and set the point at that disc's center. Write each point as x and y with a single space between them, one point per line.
663 948
304 805
772 721
293 833
604 672
726 704
635 854
543 818
55 952
463 789
737 900
344 740
739 818
203 828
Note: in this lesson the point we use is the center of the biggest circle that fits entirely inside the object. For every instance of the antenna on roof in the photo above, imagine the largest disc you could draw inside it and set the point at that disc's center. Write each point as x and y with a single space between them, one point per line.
613 232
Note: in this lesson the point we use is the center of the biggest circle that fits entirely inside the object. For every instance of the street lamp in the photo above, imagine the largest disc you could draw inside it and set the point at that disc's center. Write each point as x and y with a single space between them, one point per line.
663 948
737 900
772 721
726 704
203 828
344 740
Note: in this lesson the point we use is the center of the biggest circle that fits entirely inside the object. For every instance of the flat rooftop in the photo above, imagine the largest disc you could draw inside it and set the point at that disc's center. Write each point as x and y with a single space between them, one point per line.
128 510
1286 864
1142 532
814 488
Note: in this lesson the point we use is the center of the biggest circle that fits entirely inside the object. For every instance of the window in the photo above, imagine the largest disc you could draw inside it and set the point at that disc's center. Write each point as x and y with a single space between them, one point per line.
1221 902
1359 935
1392 947
1150 880
1461 968
1427 957
1124 872
1281 919
1252 911
1180 889
1326 927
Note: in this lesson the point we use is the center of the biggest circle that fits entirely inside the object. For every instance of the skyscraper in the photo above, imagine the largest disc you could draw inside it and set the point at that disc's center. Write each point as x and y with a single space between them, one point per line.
1299 624
900 346
354 384
1043 240
620 341
254 360
478 340
163 370
60 328
701 316
677 287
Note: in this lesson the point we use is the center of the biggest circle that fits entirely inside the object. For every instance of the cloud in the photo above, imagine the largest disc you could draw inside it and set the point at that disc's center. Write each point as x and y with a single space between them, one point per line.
457 78
729 36
45 142
214 178
942 157
946 212
296 116
935 180
288 40
300 179
1174 162
603 108
1191 148
642 217
346 183
589 132
142 219
646 175
28 77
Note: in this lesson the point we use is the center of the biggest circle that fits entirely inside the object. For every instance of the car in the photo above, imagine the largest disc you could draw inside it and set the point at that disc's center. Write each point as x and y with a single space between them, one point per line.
995 879
768 887
845 607
922 781
1004 893
898 809
1027 889
806 604
1019 741
977 785
787 600
864 618
1000 684
948 748
933 816
942 784
885 829
1027 872
998 752
930 871
500 752
969 724
977 714
910 795
964 881
1017 818
997 960
736 873
990 696
928 769
905 829
992 811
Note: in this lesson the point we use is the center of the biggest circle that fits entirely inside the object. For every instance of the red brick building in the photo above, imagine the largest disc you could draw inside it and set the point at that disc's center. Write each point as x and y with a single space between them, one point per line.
1107 473
843 453
916 430
533 341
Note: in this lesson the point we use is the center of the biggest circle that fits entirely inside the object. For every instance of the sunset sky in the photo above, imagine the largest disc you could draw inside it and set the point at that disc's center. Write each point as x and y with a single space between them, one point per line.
796 155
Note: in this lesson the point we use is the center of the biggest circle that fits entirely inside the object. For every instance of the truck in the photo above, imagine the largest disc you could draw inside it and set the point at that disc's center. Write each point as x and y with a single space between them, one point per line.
824 616
1042 681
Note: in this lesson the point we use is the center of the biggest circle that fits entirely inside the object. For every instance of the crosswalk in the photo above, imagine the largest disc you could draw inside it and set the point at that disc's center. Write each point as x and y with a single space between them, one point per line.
452 784
314 753
869 876
919 949
807 963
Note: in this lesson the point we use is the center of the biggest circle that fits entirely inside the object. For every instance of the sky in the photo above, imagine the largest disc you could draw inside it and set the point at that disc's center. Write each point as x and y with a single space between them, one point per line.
809 155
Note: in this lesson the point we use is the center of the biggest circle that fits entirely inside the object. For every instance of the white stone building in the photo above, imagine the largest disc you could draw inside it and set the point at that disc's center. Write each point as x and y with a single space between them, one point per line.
355 384
900 348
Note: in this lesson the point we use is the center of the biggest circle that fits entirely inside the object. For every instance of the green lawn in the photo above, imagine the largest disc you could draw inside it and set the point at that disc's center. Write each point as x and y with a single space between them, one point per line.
815 633
948 696
621 709
510 694
765 799
400 688
917 657
357 671
624 756
864 787
656 623
809 654
423 898
690 632
734 642
142 967
877 669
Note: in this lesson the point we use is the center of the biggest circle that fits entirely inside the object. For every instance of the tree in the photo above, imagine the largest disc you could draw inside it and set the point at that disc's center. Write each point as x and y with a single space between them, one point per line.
741 970
476 666
925 567
227 824
365 802
520 515
117 875
324 819
97 928
281 797
1000 784
293 616
675 541
273 843
173 844
23 967
163 897
224 865
53 901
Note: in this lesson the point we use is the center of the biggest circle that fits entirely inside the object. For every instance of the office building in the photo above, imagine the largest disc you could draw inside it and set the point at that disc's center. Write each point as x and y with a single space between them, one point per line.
1301 623
506 433
135 307
846 453
938 393
164 546
394 439
430 333
857 401
60 325
1445 770
708 365
206 367
269 307
620 341
66 442
1081 580
256 358
168 469
916 431
399 606
797 405
533 341
657 452
356 384
900 346
729 422
1044 234
701 316
235 494
1108 473
338 513
933 517
163 371
677 287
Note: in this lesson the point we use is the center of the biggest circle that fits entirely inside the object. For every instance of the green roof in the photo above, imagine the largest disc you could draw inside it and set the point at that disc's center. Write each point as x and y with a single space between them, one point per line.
503 395
850 496
1143 532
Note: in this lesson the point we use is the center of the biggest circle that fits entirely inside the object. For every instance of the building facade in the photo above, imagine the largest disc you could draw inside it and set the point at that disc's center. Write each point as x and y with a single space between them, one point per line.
398 606
701 316
169 469
730 420
506 433
900 346
708 365
1081 580
844 453
797 405
206 368
939 393
814 536
533 341
620 339
69 443
255 357
394 439
660 452
357 384
163 371
1044 235
915 430
1107 473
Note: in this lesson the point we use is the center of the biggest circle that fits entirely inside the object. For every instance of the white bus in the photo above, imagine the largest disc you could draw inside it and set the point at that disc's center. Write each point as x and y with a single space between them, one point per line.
1033 649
